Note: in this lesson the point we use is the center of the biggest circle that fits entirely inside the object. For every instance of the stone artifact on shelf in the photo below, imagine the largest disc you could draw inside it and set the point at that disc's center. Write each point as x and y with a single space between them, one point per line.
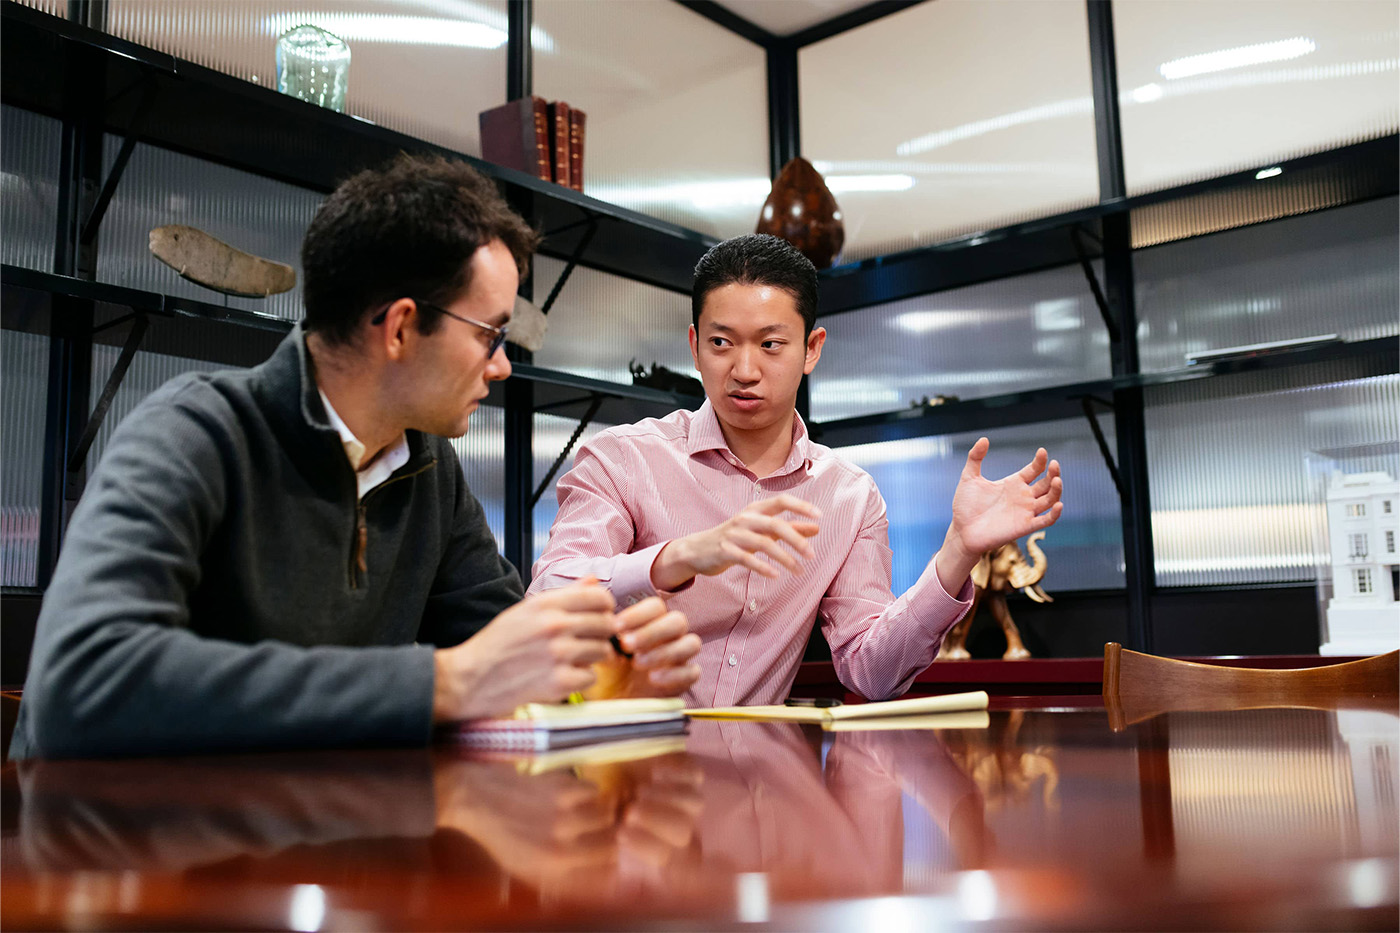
313 65
209 261
802 210
997 574
528 325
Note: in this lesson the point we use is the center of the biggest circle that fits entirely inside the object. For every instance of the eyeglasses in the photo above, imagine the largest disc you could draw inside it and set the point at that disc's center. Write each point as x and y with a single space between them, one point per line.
498 334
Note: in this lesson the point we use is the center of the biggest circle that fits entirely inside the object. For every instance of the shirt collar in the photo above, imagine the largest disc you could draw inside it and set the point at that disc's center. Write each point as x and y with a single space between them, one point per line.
705 434
354 448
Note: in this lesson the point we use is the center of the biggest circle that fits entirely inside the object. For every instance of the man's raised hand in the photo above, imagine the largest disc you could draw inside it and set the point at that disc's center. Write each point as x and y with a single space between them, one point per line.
989 513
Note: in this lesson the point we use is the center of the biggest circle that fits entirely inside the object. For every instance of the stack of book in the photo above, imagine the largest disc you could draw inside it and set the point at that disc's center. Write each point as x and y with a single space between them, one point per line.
541 726
541 138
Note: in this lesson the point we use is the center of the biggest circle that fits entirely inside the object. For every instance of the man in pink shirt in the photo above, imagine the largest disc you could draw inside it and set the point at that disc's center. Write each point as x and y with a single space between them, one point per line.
736 518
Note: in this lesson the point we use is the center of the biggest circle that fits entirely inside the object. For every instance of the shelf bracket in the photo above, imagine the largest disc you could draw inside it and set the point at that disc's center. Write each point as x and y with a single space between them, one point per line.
591 218
114 177
1075 234
1087 403
109 391
568 448
573 261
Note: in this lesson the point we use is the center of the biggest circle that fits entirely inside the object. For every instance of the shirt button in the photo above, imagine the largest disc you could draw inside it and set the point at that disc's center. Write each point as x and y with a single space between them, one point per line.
753 605
733 660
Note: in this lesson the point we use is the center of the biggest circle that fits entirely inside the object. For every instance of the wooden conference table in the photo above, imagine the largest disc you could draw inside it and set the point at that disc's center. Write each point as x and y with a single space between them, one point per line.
1041 818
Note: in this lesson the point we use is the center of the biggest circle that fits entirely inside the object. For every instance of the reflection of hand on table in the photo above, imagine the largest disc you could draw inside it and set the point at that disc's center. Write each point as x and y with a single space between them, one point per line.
657 802
572 833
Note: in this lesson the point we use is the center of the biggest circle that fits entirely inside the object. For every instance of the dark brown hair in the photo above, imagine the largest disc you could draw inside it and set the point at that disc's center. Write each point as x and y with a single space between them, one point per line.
407 230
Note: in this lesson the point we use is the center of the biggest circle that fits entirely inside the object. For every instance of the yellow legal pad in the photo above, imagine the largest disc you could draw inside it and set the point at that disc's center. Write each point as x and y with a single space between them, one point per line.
827 717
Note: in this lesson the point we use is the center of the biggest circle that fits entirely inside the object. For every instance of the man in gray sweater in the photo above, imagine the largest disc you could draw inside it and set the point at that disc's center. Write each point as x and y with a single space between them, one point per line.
289 555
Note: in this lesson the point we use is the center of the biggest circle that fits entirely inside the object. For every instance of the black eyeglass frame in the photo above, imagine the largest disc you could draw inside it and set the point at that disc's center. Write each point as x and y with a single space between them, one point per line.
498 334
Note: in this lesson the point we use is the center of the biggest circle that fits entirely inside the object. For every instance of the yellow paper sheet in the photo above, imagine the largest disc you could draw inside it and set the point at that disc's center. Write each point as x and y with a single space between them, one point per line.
601 711
952 702
964 719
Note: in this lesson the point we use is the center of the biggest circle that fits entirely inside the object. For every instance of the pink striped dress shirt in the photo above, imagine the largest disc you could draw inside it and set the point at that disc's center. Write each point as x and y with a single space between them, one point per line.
633 488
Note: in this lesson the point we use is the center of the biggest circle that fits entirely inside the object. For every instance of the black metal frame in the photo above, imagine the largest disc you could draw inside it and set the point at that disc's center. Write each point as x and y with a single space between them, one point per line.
72 68
1128 413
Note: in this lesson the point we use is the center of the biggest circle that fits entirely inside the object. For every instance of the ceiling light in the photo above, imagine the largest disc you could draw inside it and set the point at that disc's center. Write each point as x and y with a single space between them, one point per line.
1226 59
840 184
1051 111
1147 93
1268 172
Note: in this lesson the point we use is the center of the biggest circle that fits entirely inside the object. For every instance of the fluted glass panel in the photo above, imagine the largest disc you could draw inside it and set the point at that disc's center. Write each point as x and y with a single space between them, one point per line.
1333 272
1008 335
54 7
1261 780
148 372
29 161
677 108
482 453
1231 502
24 375
949 118
257 215
1269 198
424 67
552 433
600 323
1216 86
917 477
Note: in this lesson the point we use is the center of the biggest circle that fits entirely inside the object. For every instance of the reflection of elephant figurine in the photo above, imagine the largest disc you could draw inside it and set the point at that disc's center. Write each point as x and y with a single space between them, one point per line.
1005 774
996 574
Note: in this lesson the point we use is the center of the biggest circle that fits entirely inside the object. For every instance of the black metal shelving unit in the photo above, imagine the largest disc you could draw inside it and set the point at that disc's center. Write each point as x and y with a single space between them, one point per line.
97 83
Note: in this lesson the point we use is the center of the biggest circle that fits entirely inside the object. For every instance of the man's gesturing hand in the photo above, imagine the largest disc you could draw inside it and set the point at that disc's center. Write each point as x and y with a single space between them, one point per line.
756 530
538 651
987 514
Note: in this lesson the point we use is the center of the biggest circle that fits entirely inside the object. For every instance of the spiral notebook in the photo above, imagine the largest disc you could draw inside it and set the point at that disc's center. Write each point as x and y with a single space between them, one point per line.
541 726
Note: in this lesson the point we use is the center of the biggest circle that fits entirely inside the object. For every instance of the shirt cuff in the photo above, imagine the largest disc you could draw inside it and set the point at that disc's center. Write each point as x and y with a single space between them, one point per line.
631 577
931 604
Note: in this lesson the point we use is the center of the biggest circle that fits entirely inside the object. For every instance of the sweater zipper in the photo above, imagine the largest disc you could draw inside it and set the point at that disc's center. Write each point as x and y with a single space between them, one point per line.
359 544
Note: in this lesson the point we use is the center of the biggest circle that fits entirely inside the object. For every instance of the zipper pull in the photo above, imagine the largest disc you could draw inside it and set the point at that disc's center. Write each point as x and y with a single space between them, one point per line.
361 541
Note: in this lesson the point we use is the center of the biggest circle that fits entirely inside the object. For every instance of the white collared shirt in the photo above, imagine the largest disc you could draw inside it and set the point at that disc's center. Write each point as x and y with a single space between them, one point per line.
381 468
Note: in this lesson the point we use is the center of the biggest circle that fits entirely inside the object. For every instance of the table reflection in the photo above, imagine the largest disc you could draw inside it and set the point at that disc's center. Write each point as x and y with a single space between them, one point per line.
1041 818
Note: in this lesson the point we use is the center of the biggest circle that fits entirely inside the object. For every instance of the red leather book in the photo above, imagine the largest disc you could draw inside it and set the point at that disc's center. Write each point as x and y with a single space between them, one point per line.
516 135
559 136
577 118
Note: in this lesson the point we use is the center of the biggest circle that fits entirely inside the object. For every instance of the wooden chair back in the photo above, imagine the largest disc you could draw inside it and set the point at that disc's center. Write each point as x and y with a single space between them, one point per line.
1137 686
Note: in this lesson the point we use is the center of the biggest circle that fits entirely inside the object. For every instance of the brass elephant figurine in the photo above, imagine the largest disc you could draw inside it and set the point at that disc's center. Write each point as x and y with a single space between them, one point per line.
996 574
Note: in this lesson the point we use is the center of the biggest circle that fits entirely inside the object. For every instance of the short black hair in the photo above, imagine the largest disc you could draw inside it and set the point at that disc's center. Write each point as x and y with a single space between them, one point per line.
757 259
406 230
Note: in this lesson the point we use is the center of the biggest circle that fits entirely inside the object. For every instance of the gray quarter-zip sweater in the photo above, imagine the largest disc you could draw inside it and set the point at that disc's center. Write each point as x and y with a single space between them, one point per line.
220 587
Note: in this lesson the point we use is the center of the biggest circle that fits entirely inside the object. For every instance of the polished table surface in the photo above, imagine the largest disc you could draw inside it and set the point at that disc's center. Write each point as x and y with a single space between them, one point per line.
1041 818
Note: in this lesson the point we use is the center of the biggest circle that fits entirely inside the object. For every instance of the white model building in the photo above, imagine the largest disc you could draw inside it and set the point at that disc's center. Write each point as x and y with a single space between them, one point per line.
1363 523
